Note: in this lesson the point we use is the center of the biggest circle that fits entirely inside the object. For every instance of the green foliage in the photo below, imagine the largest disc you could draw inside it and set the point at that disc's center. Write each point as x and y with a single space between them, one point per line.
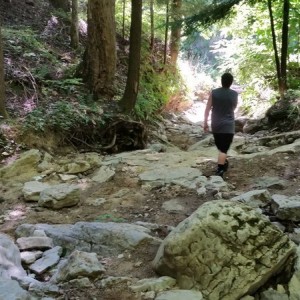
156 88
208 15
24 42
71 120
294 107
66 86
109 218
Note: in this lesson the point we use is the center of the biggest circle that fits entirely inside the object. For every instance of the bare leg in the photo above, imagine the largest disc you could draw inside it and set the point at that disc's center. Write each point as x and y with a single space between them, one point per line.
222 158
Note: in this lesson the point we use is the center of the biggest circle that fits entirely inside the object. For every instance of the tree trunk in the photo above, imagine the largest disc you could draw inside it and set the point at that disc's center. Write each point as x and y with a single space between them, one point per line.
175 31
3 111
152 24
123 21
166 32
100 58
74 32
281 64
61 4
284 46
128 101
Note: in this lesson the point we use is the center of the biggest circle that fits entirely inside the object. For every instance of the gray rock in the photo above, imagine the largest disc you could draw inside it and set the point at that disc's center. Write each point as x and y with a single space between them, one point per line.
173 206
32 190
59 196
49 259
43 288
286 208
253 149
294 284
47 165
167 175
22 169
66 177
256 198
179 295
225 249
153 284
113 281
29 257
271 182
216 184
79 264
81 163
11 290
103 238
34 243
271 294
78 283
103 174
191 184
10 259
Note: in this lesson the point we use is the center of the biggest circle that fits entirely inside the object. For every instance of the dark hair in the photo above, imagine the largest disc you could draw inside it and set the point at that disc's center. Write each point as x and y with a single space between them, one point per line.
226 80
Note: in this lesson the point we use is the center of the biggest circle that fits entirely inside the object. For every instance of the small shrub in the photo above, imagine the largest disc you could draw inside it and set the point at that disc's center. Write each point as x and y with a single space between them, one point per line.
109 218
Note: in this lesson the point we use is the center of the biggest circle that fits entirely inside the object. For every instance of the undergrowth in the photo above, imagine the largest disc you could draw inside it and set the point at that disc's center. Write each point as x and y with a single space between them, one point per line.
158 84
75 122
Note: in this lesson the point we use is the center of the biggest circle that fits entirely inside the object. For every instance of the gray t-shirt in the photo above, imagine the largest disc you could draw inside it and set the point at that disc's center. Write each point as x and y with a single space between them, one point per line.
224 101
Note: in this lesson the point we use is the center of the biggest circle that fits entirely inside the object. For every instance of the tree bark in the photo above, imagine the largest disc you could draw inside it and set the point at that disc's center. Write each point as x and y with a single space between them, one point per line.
99 65
123 21
128 101
152 24
3 111
284 46
175 31
74 32
166 32
281 63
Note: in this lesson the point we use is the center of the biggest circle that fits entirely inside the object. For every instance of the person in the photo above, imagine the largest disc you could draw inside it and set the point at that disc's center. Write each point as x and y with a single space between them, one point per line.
222 103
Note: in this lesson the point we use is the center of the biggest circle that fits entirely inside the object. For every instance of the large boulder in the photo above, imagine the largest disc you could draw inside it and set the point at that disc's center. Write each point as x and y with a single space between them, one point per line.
59 196
225 249
22 169
11 290
10 259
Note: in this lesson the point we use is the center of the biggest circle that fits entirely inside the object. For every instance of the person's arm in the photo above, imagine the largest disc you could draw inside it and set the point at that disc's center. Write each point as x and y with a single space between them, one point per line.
206 113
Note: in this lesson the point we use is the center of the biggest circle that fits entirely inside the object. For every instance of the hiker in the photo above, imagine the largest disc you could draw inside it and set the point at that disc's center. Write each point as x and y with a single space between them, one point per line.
222 102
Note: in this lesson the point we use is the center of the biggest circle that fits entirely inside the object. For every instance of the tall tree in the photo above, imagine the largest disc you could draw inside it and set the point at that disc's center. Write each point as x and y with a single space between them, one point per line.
151 24
99 65
3 111
166 31
129 98
123 18
74 25
284 46
175 30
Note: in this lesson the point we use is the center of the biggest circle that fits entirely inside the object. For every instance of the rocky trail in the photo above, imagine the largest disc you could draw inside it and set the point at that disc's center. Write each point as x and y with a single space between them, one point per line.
89 226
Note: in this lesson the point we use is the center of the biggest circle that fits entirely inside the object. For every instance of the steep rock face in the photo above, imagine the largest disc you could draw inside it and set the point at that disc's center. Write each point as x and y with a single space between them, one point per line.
224 249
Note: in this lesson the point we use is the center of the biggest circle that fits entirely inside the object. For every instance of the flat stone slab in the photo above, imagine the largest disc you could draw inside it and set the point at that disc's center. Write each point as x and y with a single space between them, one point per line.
167 175
179 295
286 208
34 243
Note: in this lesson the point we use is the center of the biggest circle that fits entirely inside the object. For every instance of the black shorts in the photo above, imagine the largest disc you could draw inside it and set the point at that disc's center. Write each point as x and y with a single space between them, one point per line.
223 141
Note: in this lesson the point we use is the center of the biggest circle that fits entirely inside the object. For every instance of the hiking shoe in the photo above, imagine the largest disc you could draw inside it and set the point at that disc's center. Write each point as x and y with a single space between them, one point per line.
220 173
226 165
